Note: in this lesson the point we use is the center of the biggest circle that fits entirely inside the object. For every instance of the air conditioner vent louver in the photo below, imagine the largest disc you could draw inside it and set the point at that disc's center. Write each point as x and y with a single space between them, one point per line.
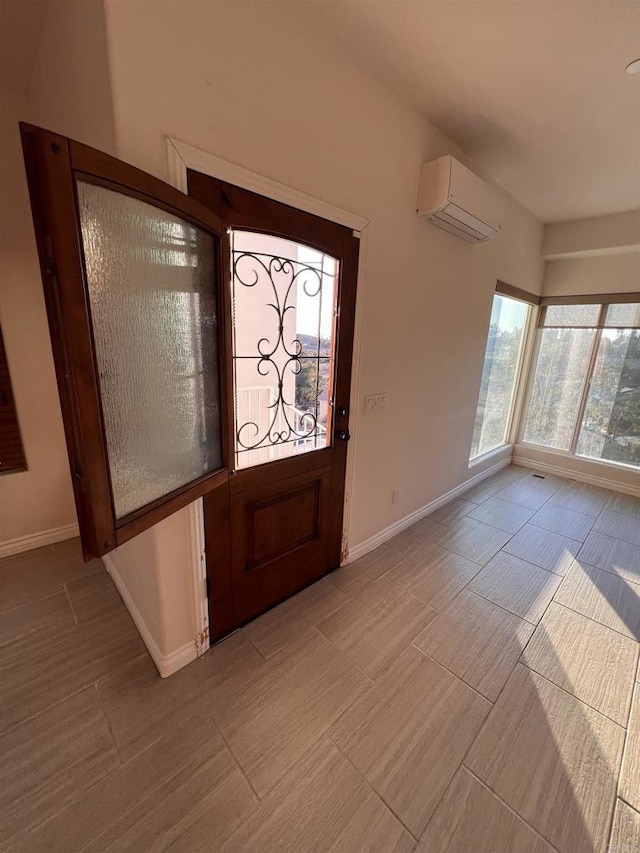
453 198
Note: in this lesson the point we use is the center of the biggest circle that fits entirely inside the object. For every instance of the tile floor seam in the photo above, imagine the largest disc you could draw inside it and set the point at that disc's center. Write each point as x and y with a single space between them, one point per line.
127 810
634 698
455 674
512 533
480 595
13 726
347 655
109 723
564 690
615 574
40 823
21 637
551 572
557 532
615 538
522 506
451 551
73 612
239 766
495 604
551 601
591 619
510 808
371 788
627 803
466 753
53 591
620 768
252 644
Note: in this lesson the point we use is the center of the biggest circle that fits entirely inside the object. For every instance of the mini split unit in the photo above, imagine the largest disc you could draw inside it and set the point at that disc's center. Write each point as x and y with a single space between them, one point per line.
452 197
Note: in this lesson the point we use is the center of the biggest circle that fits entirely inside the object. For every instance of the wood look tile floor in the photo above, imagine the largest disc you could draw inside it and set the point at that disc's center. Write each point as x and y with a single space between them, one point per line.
471 686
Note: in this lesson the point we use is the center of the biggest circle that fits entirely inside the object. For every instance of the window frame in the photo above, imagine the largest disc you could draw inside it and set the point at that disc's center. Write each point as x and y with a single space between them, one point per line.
54 164
604 301
517 294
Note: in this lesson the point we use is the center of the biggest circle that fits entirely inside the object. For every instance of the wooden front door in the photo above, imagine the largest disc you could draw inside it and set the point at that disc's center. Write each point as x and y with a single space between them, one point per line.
290 282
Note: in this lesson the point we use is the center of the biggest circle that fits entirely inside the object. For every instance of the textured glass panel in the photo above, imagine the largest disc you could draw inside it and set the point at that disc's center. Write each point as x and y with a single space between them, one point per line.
623 315
502 355
611 423
561 371
151 286
284 298
571 315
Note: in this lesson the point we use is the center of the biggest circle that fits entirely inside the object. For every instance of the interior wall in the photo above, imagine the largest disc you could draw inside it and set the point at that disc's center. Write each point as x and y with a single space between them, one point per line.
70 93
40 499
71 84
616 273
617 232
249 83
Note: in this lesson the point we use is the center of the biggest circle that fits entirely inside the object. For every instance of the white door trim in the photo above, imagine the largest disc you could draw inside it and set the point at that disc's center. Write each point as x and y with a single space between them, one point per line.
182 156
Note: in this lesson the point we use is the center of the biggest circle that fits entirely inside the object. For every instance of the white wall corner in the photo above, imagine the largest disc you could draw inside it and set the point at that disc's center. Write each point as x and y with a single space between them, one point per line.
166 664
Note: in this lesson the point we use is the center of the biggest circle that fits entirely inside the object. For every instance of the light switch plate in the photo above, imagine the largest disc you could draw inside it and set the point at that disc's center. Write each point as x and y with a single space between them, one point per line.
375 403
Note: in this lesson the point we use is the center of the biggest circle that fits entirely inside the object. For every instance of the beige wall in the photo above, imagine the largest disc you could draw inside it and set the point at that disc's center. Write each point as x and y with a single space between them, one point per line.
71 86
244 82
599 234
618 273
597 255
70 93
39 499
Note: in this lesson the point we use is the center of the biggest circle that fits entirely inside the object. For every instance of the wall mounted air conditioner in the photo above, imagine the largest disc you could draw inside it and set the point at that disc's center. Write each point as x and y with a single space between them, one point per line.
452 197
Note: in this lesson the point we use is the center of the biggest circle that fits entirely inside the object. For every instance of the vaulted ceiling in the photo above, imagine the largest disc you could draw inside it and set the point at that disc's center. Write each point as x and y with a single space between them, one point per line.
533 90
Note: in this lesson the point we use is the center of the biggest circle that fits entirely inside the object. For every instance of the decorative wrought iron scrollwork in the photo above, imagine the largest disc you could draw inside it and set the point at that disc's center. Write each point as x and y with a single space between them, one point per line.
274 354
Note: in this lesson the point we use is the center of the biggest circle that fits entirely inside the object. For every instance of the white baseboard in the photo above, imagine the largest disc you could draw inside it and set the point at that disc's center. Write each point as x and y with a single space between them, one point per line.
166 664
573 474
10 547
397 527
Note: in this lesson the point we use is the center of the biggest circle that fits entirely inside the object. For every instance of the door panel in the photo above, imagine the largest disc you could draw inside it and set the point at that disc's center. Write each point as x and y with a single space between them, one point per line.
279 540
290 281
131 275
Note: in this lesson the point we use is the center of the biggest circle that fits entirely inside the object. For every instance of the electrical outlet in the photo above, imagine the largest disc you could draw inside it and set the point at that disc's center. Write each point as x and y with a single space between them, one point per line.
375 403
395 497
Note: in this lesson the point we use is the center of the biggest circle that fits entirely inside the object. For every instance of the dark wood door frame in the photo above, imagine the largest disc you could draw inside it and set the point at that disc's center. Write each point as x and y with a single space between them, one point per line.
244 210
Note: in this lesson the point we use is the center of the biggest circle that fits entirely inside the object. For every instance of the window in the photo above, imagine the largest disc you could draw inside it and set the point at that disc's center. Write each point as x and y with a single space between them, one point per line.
11 452
499 375
585 392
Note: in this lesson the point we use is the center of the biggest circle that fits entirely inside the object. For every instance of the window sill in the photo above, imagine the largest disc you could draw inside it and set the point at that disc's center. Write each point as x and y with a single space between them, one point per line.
608 475
496 454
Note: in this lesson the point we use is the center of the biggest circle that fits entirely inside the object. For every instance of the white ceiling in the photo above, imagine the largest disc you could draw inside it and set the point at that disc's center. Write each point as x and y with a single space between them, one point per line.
534 91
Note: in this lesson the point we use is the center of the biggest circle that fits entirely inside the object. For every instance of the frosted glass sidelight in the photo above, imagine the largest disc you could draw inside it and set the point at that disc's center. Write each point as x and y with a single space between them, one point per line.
151 281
